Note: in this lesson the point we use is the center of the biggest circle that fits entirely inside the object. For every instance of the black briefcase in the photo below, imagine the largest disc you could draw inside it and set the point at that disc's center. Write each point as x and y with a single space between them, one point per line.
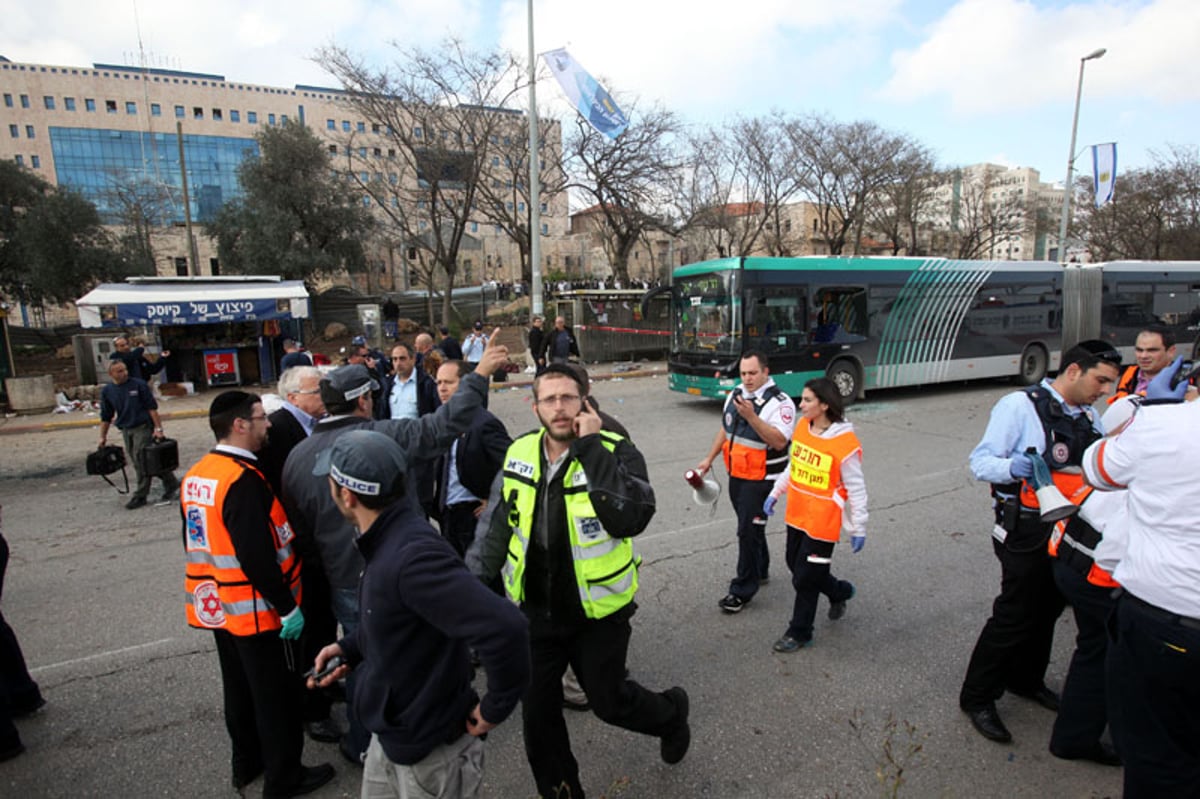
160 456
107 460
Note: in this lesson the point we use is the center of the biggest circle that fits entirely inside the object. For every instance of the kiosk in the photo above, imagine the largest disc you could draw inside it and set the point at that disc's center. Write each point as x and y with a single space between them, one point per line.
221 331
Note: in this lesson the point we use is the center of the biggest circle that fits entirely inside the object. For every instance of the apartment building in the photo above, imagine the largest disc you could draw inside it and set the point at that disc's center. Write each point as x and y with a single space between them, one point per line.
99 128
994 212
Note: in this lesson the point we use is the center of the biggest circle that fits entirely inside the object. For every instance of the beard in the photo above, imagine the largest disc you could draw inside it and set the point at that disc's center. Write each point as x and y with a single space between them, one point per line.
558 434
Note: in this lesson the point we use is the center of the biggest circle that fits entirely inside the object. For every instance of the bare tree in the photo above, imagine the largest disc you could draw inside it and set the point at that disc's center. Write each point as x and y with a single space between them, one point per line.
899 208
737 181
977 219
1154 213
845 164
429 128
143 209
628 181
503 197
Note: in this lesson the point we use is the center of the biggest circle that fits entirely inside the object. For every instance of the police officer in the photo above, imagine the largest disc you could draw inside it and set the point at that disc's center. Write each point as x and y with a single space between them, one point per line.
243 583
1154 648
756 426
1055 419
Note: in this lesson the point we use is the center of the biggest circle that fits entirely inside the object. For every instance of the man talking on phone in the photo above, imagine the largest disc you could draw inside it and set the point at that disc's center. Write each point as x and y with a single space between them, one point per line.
756 427
568 502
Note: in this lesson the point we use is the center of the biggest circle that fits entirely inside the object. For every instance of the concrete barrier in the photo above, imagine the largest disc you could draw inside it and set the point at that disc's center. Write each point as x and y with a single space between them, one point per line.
30 395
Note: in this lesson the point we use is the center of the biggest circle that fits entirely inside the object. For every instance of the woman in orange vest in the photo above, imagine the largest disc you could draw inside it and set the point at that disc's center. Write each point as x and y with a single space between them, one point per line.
826 493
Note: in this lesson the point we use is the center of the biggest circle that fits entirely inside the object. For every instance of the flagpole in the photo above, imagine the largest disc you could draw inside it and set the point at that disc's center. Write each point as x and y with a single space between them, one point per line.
535 208
1067 189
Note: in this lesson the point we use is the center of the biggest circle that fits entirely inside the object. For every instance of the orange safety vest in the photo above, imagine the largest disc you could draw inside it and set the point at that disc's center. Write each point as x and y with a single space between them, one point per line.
816 495
219 595
747 456
1126 385
1095 574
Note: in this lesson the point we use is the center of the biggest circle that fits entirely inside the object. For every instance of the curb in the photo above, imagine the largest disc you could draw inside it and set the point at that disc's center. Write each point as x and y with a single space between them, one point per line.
94 421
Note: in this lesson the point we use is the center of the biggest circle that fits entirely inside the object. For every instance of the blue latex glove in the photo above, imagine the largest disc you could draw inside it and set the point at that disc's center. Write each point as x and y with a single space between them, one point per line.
769 505
857 542
1021 467
293 625
1041 472
1159 388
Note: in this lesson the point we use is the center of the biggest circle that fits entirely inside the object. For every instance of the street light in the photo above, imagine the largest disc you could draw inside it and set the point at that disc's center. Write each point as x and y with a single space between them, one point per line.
1066 210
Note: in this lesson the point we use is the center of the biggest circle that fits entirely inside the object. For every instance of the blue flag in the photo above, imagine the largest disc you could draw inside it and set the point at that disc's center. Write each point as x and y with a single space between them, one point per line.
1104 172
593 103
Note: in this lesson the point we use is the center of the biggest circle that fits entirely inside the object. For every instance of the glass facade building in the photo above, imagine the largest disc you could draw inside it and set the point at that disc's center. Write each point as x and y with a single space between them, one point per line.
94 162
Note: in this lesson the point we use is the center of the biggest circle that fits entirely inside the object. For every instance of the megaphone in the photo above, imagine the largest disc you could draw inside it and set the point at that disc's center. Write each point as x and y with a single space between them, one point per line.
1054 505
705 490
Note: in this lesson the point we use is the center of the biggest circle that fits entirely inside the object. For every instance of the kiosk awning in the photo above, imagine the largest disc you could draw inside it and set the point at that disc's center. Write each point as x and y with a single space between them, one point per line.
185 301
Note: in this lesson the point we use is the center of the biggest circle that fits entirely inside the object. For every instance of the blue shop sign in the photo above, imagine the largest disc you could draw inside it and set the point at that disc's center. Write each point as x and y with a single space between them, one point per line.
194 313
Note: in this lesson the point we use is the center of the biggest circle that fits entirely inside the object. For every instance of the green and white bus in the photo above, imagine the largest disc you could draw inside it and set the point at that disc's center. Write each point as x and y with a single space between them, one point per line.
870 323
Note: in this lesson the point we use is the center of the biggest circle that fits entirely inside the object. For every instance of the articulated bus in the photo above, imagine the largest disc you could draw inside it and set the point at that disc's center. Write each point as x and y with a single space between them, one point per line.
880 322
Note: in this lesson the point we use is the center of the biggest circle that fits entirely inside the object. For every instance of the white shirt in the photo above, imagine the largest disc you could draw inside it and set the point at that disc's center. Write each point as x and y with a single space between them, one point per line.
1153 459
780 414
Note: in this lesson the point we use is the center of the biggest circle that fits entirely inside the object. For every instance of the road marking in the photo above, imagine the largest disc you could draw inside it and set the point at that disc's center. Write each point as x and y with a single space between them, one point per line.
110 653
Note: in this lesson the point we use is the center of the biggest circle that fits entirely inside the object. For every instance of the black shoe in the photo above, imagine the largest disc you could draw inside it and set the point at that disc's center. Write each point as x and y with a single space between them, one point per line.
571 704
311 778
326 731
732 604
764 580
838 609
674 745
1101 753
12 751
788 644
135 503
247 776
1043 696
25 711
987 722
170 495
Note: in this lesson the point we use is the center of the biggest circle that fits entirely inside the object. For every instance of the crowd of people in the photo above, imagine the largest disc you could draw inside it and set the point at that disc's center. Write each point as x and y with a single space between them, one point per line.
327 547
381 535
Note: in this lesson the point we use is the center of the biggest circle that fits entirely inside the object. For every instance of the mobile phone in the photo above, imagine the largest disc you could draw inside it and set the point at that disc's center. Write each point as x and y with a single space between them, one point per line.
331 665
1187 371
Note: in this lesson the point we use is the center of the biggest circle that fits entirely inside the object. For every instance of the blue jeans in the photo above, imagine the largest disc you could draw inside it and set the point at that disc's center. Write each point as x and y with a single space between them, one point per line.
345 610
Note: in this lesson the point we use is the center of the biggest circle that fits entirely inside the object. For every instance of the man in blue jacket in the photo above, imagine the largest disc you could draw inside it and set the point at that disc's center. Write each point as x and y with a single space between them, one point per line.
421 610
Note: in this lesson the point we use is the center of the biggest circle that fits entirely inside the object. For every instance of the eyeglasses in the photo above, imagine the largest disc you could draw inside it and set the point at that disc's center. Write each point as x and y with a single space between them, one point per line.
256 418
559 399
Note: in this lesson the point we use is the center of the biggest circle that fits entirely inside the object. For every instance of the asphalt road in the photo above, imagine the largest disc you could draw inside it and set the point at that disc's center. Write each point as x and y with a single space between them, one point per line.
95 595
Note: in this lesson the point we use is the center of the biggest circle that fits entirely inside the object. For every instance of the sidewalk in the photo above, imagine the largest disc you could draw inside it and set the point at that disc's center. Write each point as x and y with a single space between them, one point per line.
196 405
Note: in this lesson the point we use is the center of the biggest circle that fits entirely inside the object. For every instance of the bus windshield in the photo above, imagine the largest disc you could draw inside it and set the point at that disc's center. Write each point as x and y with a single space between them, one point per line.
707 314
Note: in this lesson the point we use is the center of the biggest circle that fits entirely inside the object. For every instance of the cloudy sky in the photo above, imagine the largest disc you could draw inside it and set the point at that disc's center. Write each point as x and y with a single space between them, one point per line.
975 80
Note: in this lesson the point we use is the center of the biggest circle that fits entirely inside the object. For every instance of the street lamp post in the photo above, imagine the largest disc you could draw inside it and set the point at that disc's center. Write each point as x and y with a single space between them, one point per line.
1066 209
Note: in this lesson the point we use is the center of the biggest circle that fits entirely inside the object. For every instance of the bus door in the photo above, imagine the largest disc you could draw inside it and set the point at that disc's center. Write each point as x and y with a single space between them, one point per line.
777 325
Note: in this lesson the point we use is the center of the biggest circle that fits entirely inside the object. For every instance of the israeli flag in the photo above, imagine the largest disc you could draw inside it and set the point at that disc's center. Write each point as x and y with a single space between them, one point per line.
593 103
1104 172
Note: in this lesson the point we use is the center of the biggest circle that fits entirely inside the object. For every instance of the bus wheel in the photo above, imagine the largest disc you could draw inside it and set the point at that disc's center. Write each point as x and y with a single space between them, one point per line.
845 376
1034 362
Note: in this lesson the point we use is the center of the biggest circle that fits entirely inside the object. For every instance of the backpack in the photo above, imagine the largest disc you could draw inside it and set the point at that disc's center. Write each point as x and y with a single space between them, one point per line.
107 460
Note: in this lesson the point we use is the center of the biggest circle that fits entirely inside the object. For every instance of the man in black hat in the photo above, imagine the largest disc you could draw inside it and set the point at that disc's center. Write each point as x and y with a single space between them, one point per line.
422 609
347 395
243 584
